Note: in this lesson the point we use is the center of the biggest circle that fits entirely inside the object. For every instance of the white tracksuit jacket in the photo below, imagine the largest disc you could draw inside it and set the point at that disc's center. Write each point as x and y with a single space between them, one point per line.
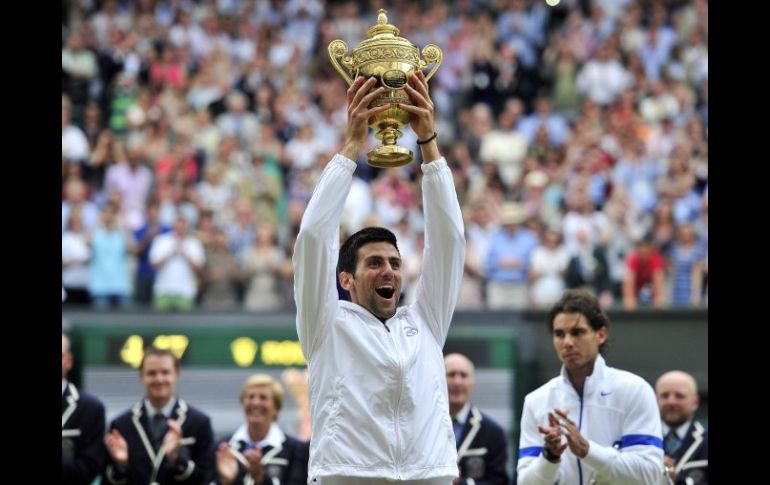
618 415
378 397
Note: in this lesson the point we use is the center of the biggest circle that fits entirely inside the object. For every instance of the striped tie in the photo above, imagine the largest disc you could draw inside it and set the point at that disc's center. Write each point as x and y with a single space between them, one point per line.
671 443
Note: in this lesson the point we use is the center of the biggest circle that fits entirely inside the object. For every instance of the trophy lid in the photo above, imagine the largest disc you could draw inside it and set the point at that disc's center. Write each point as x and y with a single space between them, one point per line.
382 27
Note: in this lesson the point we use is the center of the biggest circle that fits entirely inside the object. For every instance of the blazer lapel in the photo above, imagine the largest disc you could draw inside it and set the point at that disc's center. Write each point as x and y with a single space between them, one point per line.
694 438
139 418
474 421
70 397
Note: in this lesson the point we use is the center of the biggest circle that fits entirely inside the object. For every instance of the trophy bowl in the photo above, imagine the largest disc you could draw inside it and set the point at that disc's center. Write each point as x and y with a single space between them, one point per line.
390 59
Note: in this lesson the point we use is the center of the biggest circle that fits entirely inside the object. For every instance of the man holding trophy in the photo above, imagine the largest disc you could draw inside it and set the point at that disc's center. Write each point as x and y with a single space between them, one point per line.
378 397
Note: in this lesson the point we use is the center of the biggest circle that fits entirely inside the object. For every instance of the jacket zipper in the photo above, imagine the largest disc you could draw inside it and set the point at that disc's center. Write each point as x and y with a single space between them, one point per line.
398 403
580 426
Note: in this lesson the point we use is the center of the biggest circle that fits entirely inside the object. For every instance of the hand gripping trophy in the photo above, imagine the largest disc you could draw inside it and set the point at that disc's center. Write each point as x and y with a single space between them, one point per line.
389 58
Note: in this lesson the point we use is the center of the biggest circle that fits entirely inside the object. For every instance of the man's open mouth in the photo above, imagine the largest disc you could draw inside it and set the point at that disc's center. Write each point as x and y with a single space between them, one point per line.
385 291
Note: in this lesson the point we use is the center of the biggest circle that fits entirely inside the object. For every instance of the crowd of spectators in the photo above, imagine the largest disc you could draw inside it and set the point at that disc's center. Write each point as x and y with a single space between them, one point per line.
193 133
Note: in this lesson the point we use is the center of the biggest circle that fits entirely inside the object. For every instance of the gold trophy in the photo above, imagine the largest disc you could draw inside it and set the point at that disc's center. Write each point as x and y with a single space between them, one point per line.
389 58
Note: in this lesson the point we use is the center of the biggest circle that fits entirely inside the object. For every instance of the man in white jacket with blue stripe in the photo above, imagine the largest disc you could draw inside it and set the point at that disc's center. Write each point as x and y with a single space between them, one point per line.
592 424
378 395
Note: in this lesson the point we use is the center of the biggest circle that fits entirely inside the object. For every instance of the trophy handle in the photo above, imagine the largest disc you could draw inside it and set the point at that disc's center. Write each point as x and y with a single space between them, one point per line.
338 50
431 53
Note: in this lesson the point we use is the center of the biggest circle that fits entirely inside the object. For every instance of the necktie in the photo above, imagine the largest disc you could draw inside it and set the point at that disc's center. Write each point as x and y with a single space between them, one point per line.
671 443
158 427
458 429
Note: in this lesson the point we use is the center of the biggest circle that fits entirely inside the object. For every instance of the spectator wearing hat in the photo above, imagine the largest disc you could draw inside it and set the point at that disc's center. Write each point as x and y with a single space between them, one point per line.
508 259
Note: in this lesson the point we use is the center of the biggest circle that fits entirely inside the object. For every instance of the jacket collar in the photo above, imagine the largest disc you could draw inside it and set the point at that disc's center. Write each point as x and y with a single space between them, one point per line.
363 312
593 380
462 415
681 431
274 438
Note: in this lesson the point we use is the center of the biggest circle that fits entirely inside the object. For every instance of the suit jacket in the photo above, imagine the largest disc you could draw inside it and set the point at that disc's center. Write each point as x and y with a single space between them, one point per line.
692 464
82 435
147 463
285 463
482 451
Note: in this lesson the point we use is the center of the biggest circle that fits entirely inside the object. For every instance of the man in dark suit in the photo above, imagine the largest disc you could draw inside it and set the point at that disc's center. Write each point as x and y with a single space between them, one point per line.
161 439
259 452
82 428
685 441
481 444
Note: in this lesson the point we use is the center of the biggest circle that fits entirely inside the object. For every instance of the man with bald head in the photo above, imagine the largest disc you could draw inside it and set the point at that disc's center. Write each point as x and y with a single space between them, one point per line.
685 441
82 428
481 444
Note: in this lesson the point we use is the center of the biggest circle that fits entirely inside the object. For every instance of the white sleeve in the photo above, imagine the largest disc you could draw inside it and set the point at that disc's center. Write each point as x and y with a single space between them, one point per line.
316 253
640 457
438 288
160 249
196 251
532 468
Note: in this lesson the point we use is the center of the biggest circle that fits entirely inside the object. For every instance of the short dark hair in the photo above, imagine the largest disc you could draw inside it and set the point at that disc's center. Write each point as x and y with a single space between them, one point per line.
349 250
585 303
153 350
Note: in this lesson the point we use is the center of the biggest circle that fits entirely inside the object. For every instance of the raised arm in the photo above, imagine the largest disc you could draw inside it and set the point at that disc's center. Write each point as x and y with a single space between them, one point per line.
316 251
444 254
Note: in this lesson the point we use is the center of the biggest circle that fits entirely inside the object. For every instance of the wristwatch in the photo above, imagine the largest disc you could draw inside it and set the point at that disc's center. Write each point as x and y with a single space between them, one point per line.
550 456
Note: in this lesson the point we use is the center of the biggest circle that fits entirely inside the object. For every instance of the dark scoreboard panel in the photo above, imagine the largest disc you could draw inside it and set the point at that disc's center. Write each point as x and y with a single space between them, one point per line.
253 346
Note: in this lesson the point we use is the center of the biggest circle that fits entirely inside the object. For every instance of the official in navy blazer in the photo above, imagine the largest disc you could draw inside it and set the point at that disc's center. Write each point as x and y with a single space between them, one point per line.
82 428
481 443
161 439
685 441
259 452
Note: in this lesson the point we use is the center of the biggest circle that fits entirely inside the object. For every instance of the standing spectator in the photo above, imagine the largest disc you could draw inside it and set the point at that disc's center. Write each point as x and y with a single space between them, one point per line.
110 246
644 281
133 180
143 238
546 272
588 268
178 257
242 230
75 259
508 259
687 257
264 263
219 275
